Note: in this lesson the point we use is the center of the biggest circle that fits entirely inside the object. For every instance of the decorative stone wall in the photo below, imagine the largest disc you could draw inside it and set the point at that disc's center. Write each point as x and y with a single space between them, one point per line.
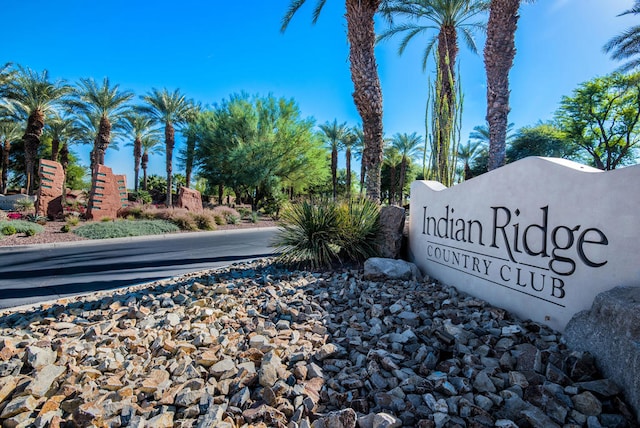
49 201
190 199
108 194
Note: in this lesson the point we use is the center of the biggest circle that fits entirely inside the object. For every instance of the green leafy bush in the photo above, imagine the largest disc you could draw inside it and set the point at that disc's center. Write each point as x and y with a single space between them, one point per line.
254 217
142 196
319 235
244 212
219 219
232 219
20 226
8 230
65 228
73 221
122 228
34 218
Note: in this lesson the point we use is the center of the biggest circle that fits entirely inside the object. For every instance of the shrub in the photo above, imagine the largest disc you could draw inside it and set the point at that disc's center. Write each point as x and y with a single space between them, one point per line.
14 216
106 219
219 219
232 219
20 226
142 196
204 220
73 220
244 212
184 222
34 218
65 228
122 228
254 217
320 235
24 204
9 230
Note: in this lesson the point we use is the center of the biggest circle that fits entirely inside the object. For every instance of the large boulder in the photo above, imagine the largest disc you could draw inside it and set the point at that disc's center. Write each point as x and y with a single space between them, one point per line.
377 269
610 331
190 199
392 220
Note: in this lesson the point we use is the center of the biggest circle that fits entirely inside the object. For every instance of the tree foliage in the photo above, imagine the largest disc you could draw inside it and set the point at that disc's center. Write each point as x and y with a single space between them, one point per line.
603 118
543 139
259 146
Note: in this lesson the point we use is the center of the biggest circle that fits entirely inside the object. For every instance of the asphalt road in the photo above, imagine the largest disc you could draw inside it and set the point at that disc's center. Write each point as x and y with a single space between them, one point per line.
33 274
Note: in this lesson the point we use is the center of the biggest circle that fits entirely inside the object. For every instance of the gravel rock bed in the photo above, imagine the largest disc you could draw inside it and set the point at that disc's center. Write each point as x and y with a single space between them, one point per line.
254 345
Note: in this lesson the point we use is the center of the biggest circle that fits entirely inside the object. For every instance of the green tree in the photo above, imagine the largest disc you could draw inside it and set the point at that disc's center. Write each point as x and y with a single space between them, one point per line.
367 93
150 144
626 45
35 96
499 52
408 146
140 127
603 118
9 133
447 18
259 146
543 139
171 110
61 129
392 160
190 131
109 104
334 134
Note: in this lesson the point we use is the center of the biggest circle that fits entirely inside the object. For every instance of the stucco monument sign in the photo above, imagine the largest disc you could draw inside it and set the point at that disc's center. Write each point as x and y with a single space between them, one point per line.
540 237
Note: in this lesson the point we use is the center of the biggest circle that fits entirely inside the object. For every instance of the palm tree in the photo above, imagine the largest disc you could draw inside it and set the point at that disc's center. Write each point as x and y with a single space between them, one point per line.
107 102
358 149
367 93
627 44
499 51
150 144
170 109
480 134
35 96
334 134
190 131
408 146
139 127
392 159
447 18
348 142
466 154
60 129
9 132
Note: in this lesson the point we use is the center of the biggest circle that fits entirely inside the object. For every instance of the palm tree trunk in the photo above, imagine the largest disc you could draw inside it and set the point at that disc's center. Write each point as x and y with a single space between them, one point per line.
499 52
392 185
137 155
102 140
64 161
6 148
145 162
334 171
348 155
363 172
169 139
31 138
367 93
447 56
55 148
403 173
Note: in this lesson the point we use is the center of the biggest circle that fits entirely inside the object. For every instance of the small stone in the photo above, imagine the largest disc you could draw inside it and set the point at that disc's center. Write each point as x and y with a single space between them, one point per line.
21 404
587 404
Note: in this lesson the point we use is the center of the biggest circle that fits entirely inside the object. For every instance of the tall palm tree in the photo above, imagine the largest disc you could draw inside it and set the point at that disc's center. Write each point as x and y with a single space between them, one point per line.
140 127
408 146
499 52
358 149
392 159
334 134
35 96
60 129
367 93
481 134
9 132
190 131
445 18
169 109
107 102
150 144
347 143
626 45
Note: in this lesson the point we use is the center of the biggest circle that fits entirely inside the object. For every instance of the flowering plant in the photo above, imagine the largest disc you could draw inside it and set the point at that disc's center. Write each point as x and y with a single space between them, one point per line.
14 216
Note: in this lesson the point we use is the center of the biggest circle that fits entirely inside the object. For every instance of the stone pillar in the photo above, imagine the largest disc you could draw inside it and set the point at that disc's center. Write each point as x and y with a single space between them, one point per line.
49 201
392 220
189 199
108 194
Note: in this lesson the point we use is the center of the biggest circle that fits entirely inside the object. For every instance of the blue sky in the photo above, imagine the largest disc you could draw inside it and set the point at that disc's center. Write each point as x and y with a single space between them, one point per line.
211 49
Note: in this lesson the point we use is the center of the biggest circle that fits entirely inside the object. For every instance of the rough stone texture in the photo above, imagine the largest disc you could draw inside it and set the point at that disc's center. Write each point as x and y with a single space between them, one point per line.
189 199
255 345
610 331
378 268
392 220
108 194
49 201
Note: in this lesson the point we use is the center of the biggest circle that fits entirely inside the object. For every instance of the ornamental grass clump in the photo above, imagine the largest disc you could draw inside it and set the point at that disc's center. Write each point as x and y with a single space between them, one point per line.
320 235
123 228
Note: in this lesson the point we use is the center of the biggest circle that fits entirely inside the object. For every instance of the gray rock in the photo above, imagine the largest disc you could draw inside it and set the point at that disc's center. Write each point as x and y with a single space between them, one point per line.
392 219
377 268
